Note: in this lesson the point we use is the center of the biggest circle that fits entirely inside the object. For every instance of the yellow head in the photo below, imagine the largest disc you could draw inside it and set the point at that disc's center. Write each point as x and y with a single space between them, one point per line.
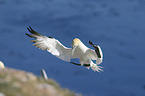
75 42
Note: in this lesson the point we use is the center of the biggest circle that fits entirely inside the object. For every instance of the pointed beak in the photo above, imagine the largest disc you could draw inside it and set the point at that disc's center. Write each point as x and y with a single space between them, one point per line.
73 49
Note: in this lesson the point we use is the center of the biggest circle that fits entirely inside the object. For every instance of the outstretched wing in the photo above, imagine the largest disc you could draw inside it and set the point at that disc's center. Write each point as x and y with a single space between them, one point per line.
95 54
50 44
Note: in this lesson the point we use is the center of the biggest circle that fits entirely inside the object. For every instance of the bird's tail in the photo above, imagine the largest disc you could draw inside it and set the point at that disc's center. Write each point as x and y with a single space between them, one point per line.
97 68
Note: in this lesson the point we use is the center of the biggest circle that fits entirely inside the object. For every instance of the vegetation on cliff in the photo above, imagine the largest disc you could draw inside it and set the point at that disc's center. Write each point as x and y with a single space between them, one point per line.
20 83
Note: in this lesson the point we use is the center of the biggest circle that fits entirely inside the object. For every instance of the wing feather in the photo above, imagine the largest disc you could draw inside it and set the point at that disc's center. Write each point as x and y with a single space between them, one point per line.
50 44
95 54
91 53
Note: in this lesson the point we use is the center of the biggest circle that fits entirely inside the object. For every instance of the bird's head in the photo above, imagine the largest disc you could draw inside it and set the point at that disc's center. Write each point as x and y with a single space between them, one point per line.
75 43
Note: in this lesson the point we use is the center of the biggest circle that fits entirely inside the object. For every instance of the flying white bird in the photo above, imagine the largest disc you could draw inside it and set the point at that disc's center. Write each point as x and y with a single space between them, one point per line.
78 50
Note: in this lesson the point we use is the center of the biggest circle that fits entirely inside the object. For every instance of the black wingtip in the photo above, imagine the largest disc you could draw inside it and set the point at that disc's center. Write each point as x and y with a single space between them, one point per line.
29 35
90 43
50 37
28 29
33 31
96 49
31 28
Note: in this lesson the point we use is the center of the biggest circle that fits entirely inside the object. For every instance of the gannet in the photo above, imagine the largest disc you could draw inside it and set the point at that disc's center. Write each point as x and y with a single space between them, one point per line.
85 55
2 65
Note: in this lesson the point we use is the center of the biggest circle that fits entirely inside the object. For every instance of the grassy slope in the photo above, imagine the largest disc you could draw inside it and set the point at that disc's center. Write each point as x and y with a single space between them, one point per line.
19 83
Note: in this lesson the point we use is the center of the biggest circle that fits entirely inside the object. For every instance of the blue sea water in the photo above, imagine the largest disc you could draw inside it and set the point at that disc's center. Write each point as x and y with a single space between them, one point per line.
116 25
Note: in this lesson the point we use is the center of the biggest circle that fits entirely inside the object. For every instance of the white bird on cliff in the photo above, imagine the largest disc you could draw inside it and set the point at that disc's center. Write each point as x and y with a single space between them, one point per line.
78 50
2 65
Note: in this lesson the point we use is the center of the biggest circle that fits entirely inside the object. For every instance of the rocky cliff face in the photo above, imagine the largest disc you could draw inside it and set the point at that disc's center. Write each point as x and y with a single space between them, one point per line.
20 83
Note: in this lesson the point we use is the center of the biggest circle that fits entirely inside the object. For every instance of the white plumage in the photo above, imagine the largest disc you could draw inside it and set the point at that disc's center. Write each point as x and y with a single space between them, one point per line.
2 65
78 50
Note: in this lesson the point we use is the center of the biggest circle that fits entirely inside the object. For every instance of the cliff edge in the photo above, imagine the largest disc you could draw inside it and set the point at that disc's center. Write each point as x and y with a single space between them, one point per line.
20 83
